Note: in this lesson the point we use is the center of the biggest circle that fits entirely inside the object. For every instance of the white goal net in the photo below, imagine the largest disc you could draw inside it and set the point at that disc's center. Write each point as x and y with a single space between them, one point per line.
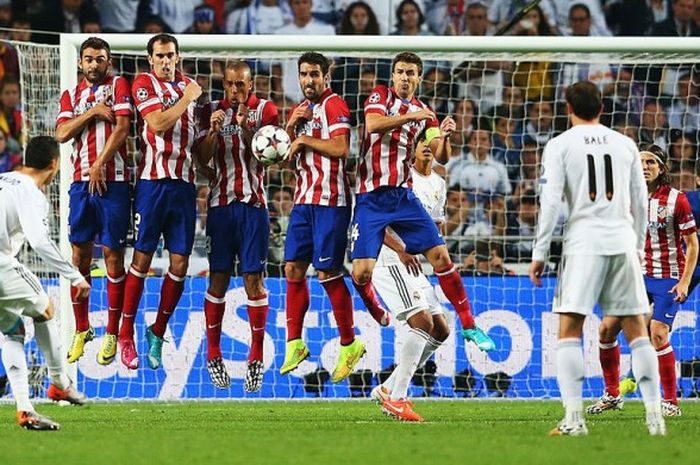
506 95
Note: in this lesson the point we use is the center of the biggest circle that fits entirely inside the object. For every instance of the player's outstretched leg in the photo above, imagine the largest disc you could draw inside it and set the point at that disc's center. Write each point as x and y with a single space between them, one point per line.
133 290
115 300
214 306
33 421
297 303
170 293
372 302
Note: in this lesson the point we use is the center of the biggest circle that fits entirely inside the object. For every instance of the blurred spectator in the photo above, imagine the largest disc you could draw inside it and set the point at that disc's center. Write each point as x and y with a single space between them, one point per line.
685 179
90 25
528 171
501 11
580 21
177 14
539 126
259 17
506 140
653 129
522 223
680 24
477 20
447 17
203 21
684 114
596 18
9 62
5 17
326 11
476 171
62 16
303 23
634 17
630 131
465 116
154 24
358 19
118 15
435 91
22 29
456 213
410 20
682 152
385 10
514 99
485 260
8 160
623 105
10 113
534 77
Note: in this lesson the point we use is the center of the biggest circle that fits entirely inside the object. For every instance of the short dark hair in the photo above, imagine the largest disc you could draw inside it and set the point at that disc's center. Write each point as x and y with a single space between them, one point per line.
41 151
408 57
585 100
164 39
581 6
97 44
314 58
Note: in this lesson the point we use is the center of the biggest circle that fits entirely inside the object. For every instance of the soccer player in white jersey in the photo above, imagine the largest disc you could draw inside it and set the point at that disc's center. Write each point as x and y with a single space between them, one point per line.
96 115
400 282
599 174
238 223
24 215
318 223
393 118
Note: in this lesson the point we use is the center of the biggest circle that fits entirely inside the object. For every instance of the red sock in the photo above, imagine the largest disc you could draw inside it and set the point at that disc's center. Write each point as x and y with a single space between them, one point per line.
453 288
297 305
115 301
213 314
667 372
370 298
170 293
609 354
133 289
81 309
341 301
257 317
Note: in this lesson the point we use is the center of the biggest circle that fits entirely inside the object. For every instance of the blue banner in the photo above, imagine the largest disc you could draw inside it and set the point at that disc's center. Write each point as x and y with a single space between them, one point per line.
514 313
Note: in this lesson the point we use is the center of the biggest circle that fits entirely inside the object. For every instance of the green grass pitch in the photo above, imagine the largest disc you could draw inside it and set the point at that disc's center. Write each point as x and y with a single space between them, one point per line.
311 433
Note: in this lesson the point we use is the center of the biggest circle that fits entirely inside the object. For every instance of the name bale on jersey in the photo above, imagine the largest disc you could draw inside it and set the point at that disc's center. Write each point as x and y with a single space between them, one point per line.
595 140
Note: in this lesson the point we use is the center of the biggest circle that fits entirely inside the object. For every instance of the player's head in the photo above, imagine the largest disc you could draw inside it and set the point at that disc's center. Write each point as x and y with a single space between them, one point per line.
313 75
238 82
42 154
423 152
583 100
406 74
654 165
163 55
95 59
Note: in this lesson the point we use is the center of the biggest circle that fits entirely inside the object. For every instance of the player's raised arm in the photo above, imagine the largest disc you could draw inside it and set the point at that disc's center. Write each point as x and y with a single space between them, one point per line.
68 126
164 120
439 139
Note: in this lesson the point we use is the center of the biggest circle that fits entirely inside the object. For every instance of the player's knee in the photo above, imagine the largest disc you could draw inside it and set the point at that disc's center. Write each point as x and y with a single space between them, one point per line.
253 284
114 263
15 333
80 259
293 270
659 338
423 321
440 330
606 333
362 275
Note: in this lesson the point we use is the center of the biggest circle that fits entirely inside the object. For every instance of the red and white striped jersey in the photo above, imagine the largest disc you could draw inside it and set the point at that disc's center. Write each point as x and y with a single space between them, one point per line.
387 157
669 218
166 155
90 142
322 180
239 175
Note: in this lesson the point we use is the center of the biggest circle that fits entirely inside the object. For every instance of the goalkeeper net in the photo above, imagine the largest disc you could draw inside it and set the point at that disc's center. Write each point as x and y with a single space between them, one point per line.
507 97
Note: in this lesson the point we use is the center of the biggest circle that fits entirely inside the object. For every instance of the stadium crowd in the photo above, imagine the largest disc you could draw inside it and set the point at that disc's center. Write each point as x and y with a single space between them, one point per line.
505 111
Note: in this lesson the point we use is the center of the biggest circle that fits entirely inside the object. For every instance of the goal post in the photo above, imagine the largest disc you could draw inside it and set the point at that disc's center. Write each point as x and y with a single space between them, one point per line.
515 313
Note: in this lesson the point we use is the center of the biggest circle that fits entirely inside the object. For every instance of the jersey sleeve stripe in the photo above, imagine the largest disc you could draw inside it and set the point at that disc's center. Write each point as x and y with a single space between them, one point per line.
121 106
147 103
337 126
65 114
375 106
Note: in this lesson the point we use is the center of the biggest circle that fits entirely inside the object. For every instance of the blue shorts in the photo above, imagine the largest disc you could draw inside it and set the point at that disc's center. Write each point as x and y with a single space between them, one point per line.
167 207
318 235
665 308
105 218
399 208
237 230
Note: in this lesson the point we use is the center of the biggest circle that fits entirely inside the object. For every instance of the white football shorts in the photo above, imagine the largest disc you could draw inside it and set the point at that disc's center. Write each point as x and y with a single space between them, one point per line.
21 294
614 282
404 293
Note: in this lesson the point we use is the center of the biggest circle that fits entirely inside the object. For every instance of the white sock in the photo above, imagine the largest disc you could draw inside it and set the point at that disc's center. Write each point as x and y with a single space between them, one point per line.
15 363
570 372
408 361
430 347
49 341
645 366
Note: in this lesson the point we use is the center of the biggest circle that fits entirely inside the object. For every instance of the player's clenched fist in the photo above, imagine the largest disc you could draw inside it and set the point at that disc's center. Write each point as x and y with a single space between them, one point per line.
216 121
103 112
192 91
447 127
301 113
423 115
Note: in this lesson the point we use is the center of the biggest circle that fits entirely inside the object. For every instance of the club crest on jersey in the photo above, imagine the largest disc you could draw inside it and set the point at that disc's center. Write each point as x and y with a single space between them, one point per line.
374 98
181 85
169 102
107 90
141 94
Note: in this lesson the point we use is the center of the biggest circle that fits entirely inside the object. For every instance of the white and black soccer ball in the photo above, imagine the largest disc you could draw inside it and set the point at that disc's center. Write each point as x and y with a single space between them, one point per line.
271 145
